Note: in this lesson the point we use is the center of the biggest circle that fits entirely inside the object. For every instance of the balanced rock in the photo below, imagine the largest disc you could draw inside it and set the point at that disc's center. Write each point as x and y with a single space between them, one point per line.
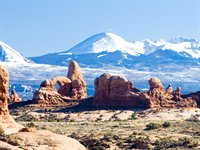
113 90
14 97
7 123
47 94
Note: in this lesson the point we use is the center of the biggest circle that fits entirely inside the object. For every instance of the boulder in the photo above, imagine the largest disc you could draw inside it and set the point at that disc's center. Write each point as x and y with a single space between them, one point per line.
117 91
14 97
42 140
47 94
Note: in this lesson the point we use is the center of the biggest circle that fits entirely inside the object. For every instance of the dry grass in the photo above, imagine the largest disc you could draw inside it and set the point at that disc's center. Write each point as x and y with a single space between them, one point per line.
123 134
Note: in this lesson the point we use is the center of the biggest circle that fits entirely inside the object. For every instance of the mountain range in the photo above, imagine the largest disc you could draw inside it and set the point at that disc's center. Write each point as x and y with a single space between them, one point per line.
110 49
174 61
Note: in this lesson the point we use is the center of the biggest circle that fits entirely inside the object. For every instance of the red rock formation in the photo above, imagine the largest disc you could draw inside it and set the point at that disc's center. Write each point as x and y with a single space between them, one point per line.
71 87
14 97
4 96
160 98
47 94
78 84
195 96
65 85
117 91
169 89
7 123
74 71
178 92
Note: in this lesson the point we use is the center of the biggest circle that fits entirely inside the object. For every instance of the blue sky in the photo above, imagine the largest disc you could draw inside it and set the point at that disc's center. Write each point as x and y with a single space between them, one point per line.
42 26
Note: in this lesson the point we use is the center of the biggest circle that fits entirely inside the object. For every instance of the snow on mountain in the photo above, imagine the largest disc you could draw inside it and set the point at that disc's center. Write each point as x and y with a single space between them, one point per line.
191 47
138 61
108 42
110 49
8 54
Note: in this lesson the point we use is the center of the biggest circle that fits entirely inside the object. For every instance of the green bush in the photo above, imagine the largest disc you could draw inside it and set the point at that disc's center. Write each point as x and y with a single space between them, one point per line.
133 116
152 126
193 118
167 143
30 125
166 124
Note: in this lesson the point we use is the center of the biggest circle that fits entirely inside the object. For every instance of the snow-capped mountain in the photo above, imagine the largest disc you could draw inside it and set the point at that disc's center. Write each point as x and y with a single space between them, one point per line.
180 45
147 60
8 54
110 49
102 42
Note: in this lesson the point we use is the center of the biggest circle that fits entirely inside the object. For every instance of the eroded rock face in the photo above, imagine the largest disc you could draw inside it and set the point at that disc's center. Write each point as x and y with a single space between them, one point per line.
158 97
4 96
47 94
111 90
78 84
65 85
195 96
7 123
169 89
14 97
71 87
74 71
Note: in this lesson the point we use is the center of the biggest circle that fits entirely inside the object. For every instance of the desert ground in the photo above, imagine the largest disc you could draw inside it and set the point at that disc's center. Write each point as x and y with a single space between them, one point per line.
118 129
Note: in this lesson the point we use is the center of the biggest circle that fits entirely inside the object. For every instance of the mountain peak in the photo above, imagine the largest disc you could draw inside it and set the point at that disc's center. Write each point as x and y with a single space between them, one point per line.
8 54
109 42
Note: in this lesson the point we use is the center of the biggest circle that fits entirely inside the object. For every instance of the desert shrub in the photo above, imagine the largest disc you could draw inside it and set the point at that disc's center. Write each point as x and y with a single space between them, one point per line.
116 137
167 143
133 116
133 142
74 135
94 144
30 125
166 124
193 118
151 126
187 142
3 136
141 143
2 132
